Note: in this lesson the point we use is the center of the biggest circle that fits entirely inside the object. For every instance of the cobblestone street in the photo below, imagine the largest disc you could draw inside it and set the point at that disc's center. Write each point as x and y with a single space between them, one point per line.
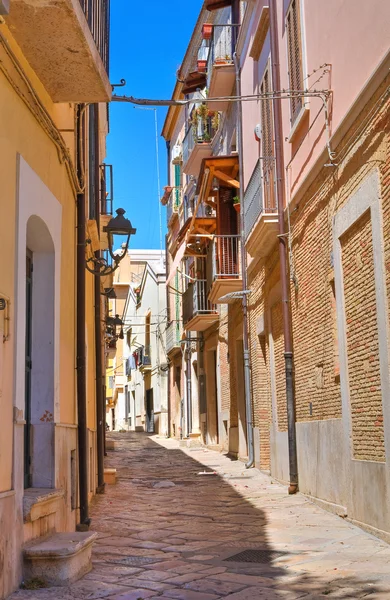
169 528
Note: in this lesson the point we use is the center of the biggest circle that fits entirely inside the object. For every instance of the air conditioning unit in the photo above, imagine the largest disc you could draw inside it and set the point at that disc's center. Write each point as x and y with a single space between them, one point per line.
4 7
176 154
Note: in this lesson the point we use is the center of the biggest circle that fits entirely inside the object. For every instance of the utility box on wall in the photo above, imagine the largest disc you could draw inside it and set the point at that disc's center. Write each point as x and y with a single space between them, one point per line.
4 7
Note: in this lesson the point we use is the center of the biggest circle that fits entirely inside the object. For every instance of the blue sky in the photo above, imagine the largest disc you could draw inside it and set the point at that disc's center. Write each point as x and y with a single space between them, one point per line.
148 42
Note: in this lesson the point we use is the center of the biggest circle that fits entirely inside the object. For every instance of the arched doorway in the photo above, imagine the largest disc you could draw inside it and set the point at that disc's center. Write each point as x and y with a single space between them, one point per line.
39 356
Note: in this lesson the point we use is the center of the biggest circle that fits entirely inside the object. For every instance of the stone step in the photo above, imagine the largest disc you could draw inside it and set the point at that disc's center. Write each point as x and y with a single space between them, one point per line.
59 559
110 476
40 502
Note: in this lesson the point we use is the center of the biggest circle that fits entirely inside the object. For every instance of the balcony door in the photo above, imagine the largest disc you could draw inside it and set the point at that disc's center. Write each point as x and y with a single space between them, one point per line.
226 249
149 411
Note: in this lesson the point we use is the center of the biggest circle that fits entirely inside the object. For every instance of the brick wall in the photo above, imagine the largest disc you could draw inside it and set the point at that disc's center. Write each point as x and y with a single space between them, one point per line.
280 371
362 341
313 302
262 280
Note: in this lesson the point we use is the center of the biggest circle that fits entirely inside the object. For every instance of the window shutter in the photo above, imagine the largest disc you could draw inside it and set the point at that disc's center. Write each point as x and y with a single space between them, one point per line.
267 143
177 184
293 26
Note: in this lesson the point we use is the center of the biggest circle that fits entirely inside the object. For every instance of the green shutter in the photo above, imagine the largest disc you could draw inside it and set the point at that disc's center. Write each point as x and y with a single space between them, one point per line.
177 185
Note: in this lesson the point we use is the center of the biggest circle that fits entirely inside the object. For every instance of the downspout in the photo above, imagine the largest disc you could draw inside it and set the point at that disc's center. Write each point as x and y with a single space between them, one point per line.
100 407
280 192
201 378
171 365
84 523
245 333
189 389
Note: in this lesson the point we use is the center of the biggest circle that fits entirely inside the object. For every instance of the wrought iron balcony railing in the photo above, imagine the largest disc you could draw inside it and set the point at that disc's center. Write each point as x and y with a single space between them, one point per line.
224 258
97 13
202 131
173 335
173 204
254 202
222 45
195 301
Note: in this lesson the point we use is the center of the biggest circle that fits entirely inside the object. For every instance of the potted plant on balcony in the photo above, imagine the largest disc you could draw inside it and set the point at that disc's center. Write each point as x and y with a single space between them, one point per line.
202 65
236 204
200 116
207 31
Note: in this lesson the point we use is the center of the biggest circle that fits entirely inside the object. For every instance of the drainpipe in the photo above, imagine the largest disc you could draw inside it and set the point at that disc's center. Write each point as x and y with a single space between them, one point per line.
201 378
100 408
83 525
280 192
189 389
245 334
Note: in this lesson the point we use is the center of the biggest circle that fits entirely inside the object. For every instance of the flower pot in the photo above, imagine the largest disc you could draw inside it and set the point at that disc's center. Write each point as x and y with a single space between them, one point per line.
207 31
202 64
237 207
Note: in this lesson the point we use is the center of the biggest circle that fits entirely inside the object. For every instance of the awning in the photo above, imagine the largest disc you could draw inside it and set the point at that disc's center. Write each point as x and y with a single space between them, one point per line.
176 261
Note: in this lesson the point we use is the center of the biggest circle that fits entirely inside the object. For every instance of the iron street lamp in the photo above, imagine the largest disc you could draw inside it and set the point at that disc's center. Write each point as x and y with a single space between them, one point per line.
117 226
113 323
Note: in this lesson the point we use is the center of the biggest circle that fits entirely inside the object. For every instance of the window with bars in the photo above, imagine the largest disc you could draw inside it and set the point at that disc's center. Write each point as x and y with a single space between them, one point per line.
267 144
294 47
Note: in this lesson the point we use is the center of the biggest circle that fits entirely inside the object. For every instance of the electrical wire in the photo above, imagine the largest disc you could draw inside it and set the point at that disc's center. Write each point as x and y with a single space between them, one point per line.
40 113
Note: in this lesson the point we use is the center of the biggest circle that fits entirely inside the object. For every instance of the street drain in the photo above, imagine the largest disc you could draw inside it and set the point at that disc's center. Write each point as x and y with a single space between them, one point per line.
255 556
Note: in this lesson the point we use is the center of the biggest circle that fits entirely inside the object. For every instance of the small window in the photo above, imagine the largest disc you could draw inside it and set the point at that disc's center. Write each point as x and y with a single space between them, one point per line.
267 145
294 47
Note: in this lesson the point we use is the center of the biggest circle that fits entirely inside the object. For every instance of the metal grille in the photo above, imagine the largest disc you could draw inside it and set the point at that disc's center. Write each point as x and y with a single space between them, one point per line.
255 556
173 335
226 257
173 204
267 146
97 13
195 300
294 57
253 200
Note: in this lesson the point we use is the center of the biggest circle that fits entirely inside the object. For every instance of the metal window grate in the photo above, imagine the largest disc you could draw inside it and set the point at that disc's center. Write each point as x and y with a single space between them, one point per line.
255 556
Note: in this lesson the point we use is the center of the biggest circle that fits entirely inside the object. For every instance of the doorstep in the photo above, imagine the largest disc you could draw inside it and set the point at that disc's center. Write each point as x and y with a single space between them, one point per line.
59 559
40 502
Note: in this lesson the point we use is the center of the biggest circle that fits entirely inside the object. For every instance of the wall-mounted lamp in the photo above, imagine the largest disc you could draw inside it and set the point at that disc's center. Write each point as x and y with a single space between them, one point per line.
113 324
109 293
119 226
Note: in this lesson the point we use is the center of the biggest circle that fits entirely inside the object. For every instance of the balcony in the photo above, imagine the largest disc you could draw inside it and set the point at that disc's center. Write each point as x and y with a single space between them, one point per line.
173 205
173 337
260 212
224 267
144 360
66 43
205 215
197 142
198 312
221 72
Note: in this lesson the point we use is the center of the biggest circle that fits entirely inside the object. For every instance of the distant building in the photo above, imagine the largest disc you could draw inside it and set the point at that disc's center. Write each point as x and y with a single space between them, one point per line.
139 366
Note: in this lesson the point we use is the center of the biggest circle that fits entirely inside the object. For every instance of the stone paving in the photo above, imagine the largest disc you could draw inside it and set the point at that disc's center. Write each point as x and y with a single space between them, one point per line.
166 530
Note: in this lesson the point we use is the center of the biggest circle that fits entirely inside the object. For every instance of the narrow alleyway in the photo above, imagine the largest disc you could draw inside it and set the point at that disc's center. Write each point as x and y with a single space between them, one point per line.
168 531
